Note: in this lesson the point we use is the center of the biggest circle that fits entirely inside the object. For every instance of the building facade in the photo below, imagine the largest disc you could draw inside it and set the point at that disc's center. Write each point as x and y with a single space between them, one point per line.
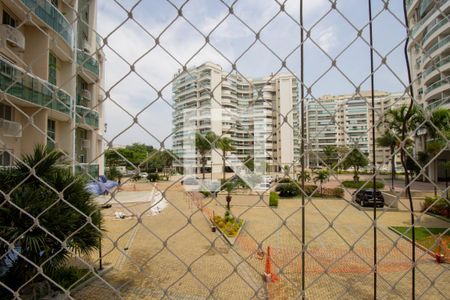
346 121
260 116
51 79
429 56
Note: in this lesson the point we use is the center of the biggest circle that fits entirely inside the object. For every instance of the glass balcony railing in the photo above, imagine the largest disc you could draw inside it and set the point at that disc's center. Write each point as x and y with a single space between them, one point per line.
88 62
84 169
442 43
87 116
439 83
441 62
51 16
434 28
439 103
18 83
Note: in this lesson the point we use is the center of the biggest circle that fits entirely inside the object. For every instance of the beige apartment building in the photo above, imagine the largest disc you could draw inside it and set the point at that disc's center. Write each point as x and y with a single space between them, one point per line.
240 108
429 55
346 121
51 81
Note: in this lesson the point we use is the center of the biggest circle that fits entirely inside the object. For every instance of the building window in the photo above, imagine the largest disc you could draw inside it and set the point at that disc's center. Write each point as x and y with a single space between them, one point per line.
8 20
51 133
5 158
52 68
6 112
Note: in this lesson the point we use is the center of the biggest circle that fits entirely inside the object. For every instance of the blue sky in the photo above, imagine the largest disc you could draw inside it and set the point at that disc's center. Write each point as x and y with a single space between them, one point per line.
131 42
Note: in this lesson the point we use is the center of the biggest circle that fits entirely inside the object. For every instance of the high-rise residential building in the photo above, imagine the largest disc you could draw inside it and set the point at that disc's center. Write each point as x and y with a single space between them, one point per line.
51 81
429 57
346 121
260 116
429 51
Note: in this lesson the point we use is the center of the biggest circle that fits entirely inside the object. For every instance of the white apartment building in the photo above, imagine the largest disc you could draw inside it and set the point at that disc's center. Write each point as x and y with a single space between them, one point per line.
429 55
239 108
346 121
51 80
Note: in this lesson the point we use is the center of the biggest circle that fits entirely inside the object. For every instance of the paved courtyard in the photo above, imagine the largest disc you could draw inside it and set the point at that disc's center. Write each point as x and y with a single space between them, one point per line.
174 254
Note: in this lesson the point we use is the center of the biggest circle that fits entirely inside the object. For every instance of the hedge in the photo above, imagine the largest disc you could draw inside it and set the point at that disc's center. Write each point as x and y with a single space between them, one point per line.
273 199
356 185
437 205
288 190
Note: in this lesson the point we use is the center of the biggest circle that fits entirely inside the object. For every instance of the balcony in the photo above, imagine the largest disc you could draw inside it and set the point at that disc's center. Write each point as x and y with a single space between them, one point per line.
51 16
87 116
18 83
84 98
437 84
13 36
433 29
436 66
88 63
430 52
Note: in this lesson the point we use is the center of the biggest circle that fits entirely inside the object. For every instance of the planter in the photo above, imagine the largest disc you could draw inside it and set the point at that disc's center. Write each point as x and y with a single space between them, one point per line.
232 240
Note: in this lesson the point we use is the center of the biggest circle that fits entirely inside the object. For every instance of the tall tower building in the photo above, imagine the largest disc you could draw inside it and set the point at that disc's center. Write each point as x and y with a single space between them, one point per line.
51 81
240 108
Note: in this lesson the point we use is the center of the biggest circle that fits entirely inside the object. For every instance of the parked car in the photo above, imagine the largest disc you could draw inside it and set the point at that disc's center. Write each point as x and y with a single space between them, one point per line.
190 181
263 186
143 174
366 198
267 178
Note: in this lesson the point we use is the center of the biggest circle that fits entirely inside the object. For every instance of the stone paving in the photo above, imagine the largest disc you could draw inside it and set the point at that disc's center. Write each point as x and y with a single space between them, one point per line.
175 255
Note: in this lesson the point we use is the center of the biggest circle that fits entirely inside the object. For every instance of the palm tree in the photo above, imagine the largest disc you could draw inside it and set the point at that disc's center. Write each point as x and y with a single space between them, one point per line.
204 144
225 145
330 153
304 175
66 212
390 141
321 176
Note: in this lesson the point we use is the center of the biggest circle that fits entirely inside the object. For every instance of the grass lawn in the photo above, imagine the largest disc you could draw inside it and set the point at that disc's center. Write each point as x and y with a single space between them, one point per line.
425 237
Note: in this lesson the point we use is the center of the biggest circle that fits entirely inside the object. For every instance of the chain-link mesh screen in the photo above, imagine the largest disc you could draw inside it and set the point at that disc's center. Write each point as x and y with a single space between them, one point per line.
224 149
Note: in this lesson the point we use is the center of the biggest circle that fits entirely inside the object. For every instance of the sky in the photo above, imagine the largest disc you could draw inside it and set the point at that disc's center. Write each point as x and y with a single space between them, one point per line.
148 42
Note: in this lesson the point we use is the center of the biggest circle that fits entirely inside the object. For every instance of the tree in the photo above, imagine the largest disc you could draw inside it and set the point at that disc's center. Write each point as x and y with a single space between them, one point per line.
225 145
356 160
321 176
204 144
330 153
390 141
36 196
304 175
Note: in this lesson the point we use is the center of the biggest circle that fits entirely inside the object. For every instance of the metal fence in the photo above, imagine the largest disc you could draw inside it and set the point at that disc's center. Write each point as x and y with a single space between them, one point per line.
171 239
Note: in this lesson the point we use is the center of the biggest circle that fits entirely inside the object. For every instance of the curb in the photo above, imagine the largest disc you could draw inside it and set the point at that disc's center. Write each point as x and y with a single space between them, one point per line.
418 245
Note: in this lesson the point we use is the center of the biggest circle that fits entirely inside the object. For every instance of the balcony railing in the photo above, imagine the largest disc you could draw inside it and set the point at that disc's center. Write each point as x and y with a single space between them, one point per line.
434 67
51 16
439 103
442 43
434 29
439 83
87 116
88 62
12 35
84 168
18 83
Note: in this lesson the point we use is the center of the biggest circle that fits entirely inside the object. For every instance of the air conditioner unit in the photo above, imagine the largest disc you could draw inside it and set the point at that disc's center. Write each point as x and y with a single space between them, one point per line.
10 128
85 144
86 95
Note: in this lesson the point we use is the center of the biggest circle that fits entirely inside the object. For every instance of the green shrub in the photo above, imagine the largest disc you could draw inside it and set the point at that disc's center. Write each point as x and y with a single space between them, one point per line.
273 199
287 190
153 177
285 180
331 192
437 205
338 192
356 185
113 173
228 224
